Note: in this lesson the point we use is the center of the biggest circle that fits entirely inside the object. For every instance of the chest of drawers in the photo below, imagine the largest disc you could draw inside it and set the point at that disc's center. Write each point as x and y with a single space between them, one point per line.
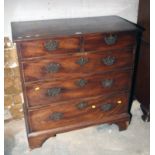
76 73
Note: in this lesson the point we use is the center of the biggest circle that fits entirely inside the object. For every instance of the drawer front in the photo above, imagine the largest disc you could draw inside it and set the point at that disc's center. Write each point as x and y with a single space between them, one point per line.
32 49
75 66
78 111
43 93
100 42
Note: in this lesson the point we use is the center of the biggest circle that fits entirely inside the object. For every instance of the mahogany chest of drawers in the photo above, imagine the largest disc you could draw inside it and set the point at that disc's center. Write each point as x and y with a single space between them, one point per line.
76 73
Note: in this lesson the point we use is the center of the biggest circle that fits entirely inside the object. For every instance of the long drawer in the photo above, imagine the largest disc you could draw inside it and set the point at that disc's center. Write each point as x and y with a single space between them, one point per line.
77 65
43 93
77 111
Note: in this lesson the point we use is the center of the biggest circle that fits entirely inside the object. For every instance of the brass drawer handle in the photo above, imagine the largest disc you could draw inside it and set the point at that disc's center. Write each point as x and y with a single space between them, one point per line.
82 61
53 67
110 40
106 107
81 82
110 60
51 45
81 105
55 116
107 83
53 91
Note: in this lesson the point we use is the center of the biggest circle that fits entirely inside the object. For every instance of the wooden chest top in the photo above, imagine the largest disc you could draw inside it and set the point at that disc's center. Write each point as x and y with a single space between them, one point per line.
32 30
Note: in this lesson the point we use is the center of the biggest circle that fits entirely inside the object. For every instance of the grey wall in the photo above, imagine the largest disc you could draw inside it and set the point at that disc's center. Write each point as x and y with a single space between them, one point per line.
18 10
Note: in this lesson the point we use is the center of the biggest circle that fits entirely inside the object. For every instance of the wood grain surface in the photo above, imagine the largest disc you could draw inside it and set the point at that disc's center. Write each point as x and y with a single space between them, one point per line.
69 66
70 89
40 118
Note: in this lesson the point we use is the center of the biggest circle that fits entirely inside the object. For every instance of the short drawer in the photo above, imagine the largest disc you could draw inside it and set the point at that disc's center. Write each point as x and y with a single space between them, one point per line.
47 47
44 93
108 41
77 65
78 111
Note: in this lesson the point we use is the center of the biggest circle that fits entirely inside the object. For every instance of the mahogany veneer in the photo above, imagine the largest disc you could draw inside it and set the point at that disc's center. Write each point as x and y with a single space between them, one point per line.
76 73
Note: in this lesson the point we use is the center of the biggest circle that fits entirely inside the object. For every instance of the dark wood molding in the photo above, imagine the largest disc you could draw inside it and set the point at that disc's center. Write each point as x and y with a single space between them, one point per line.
142 93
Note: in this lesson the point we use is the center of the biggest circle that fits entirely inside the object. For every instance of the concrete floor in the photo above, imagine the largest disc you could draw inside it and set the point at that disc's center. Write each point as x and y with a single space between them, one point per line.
96 140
